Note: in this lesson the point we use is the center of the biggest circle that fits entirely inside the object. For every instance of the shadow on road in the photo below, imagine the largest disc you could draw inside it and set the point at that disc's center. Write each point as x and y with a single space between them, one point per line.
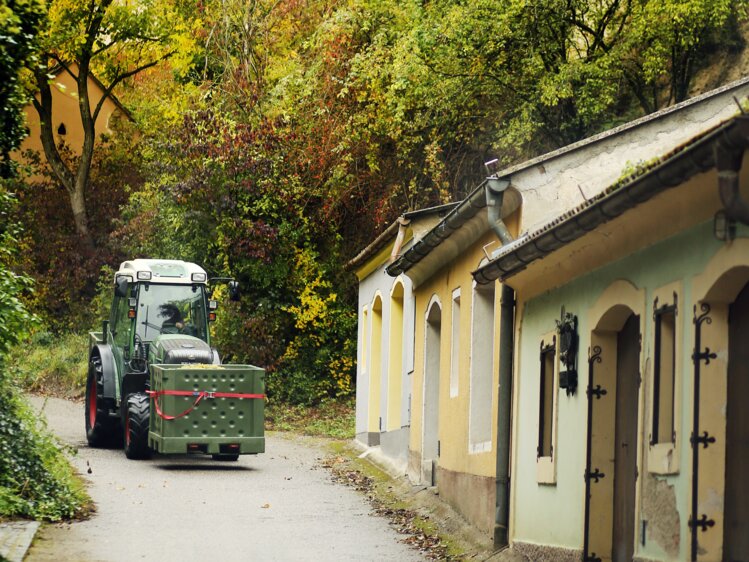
204 468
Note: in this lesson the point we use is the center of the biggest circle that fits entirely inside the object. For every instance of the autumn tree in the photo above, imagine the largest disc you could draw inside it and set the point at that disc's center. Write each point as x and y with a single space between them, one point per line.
112 41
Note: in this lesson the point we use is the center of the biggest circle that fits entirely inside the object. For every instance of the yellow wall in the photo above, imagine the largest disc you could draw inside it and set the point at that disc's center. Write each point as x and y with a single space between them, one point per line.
65 111
454 412
395 359
375 364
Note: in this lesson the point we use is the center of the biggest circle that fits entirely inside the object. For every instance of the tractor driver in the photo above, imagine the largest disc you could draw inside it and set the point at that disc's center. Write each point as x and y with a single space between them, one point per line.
173 324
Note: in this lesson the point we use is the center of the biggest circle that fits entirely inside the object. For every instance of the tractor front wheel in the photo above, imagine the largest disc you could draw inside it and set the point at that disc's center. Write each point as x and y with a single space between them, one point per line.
101 429
137 411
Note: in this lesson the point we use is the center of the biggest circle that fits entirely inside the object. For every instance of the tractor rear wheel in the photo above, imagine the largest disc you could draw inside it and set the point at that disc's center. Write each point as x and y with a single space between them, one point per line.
101 429
137 411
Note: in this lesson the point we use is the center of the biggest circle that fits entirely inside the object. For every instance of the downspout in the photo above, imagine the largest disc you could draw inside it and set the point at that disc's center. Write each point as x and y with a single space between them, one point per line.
495 190
398 244
504 407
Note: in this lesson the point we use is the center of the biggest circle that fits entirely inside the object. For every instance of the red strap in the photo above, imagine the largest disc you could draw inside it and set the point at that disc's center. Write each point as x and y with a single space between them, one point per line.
199 395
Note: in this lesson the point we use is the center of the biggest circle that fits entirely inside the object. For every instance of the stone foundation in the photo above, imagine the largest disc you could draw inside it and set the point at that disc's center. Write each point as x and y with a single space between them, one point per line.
547 553
471 495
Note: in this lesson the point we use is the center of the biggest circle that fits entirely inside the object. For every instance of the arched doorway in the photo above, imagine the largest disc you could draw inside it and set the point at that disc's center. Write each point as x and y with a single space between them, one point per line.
736 510
719 530
613 416
432 367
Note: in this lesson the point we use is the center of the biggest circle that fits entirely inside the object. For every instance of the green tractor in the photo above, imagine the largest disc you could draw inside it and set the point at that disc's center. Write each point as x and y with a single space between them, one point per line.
154 381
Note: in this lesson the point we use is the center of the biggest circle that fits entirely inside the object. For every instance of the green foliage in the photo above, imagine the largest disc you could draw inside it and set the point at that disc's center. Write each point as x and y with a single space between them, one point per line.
330 418
278 139
222 193
67 272
35 479
51 365
15 318
19 24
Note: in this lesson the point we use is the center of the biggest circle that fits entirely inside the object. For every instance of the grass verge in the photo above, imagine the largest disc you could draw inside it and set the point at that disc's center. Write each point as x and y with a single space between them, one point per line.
330 418
51 365
388 500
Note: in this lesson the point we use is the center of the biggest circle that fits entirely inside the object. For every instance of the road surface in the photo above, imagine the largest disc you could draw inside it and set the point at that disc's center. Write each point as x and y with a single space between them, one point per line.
276 506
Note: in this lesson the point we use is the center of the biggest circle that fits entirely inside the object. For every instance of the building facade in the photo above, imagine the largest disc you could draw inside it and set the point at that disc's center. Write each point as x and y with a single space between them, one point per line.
567 315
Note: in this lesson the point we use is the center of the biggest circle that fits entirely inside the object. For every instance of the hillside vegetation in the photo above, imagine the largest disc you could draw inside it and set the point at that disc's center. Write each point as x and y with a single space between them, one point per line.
272 140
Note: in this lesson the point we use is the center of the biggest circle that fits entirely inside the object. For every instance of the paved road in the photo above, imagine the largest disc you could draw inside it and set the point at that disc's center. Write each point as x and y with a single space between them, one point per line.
275 506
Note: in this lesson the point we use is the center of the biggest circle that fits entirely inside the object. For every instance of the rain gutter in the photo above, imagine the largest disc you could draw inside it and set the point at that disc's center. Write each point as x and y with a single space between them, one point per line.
502 202
702 153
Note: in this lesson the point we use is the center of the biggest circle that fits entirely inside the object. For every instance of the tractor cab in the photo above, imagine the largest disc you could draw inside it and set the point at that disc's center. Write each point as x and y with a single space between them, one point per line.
171 309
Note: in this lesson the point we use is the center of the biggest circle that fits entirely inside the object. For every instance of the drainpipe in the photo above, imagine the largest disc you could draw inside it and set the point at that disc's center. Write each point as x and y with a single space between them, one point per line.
495 190
398 244
504 406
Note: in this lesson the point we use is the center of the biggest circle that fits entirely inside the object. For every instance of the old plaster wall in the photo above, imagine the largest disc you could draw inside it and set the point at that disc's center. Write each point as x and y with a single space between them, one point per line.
553 514
465 476
557 182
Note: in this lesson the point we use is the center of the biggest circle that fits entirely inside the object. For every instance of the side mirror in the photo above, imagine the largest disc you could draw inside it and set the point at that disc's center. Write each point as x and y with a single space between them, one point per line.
121 286
234 291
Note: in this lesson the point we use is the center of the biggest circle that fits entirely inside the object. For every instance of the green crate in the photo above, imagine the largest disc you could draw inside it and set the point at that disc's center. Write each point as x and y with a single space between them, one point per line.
215 423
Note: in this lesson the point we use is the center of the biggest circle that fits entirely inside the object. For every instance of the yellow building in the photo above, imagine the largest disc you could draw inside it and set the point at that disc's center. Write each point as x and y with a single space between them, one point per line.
577 383
385 361
630 436
67 126
453 440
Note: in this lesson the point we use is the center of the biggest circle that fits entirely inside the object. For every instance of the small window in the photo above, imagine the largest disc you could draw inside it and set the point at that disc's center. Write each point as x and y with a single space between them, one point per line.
664 375
546 402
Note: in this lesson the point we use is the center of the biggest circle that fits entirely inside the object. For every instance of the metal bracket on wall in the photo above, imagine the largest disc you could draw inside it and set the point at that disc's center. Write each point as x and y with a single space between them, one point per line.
594 475
704 356
696 439
705 439
598 391
703 523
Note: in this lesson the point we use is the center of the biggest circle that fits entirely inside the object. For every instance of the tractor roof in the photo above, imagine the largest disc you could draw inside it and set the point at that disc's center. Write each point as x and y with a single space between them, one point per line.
162 271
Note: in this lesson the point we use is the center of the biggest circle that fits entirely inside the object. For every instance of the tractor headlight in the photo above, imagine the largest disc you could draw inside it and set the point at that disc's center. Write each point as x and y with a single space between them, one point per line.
199 277
144 276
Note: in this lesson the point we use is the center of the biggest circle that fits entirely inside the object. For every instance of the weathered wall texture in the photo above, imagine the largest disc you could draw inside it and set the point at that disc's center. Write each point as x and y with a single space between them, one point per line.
554 183
471 495
660 512
544 553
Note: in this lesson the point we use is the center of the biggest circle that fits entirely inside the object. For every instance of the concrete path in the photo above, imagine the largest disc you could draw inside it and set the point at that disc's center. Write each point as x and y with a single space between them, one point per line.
276 506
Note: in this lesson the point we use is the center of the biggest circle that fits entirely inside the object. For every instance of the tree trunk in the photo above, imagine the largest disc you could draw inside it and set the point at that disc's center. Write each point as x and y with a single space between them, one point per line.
80 215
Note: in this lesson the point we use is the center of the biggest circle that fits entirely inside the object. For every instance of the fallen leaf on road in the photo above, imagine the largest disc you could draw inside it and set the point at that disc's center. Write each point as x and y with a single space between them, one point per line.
266 506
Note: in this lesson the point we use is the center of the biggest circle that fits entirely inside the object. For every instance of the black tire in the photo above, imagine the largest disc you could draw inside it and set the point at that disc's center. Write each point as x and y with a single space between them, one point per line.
225 458
136 414
101 429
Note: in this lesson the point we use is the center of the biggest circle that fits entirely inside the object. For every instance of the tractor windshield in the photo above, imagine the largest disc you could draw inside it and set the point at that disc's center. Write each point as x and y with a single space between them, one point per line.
171 309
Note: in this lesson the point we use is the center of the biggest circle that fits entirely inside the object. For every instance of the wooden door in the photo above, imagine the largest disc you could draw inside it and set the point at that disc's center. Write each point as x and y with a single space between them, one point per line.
625 443
736 525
